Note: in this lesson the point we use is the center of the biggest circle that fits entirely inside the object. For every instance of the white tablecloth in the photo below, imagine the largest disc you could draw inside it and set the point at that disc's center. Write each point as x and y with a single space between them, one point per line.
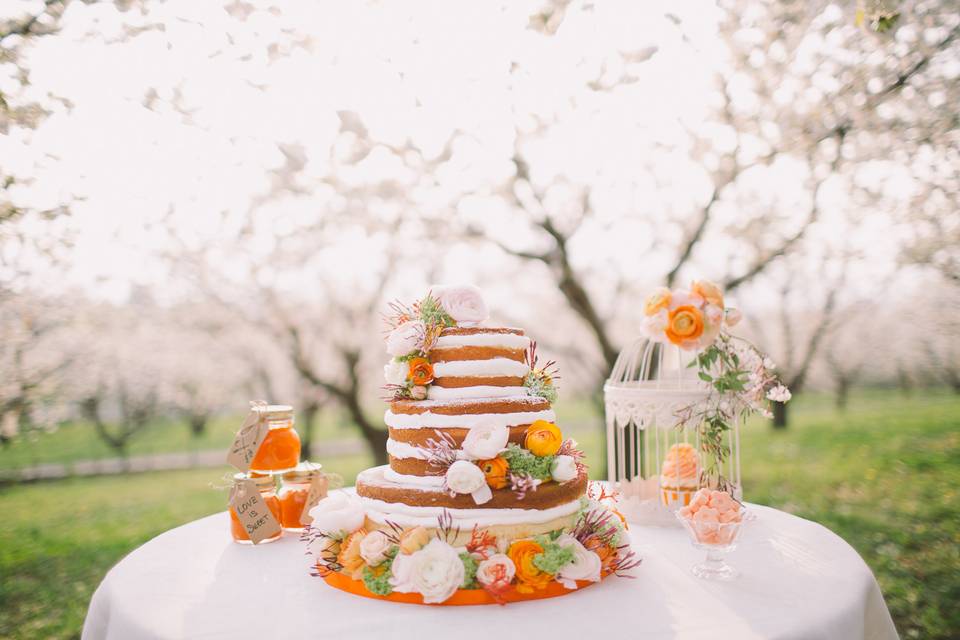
799 581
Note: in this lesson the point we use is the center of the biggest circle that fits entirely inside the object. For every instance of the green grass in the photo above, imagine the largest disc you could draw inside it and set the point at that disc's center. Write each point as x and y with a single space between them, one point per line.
78 440
884 476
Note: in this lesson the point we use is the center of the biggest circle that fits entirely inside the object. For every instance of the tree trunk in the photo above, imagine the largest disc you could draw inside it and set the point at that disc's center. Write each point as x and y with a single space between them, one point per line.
779 415
843 394
309 413
198 424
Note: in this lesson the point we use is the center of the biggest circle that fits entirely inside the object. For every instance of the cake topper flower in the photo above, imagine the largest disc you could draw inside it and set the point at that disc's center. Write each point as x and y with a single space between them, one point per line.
688 318
412 332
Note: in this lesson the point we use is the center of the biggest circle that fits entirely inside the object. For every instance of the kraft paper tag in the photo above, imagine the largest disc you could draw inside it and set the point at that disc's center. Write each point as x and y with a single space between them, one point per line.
248 439
318 491
253 513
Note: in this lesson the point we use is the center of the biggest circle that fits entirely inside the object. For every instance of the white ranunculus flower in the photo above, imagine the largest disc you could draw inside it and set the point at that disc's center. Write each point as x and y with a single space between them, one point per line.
435 572
374 547
338 513
779 394
406 338
498 571
395 372
584 566
466 477
464 303
485 442
564 468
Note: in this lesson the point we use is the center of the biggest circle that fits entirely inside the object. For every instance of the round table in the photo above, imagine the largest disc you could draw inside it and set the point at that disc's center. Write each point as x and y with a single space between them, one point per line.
798 580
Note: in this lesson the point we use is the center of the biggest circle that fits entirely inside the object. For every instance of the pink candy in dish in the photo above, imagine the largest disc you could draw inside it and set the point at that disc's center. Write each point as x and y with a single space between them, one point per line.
713 519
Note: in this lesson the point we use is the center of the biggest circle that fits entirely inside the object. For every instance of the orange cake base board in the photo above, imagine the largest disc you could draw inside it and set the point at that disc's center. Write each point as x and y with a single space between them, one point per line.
460 598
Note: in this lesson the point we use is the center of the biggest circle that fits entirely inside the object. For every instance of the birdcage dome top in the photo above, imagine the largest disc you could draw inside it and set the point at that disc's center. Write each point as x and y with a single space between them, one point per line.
650 383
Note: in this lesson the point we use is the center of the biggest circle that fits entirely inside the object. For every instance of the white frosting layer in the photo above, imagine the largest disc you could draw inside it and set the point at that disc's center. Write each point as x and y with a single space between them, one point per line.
504 340
405 450
490 367
480 391
389 477
465 421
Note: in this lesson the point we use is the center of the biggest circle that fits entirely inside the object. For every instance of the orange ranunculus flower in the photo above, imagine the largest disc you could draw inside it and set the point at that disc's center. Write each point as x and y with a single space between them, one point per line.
349 557
708 291
543 438
529 577
421 371
684 324
495 470
657 300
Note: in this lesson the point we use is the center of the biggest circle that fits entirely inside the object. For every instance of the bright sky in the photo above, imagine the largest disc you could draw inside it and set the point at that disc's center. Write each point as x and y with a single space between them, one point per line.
256 81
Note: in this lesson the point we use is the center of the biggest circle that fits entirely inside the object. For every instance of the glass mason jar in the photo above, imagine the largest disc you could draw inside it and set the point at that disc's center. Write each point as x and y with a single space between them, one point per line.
293 494
280 449
268 492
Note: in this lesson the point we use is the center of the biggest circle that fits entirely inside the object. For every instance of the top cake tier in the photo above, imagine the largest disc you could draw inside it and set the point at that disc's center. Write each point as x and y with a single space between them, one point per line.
478 362
440 351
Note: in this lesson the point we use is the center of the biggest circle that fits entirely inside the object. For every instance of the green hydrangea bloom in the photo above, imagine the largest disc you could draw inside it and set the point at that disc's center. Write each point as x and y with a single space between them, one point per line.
469 571
378 581
522 461
538 386
553 558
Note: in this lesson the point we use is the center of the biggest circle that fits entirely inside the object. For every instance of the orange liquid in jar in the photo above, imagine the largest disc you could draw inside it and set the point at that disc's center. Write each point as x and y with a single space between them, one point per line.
292 501
240 533
279 451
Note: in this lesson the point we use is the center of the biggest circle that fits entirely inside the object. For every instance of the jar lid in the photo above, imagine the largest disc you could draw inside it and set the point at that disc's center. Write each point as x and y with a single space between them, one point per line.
262 482
304 472
277 412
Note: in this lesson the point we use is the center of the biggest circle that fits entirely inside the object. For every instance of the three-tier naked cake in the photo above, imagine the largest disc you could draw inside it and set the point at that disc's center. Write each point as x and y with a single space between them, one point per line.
483 500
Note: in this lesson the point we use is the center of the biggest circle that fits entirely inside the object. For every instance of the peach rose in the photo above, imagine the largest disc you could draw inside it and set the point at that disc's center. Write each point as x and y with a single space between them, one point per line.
421 371
708 291
659 299
413 539
529 577
543 438
495 470
349 557
685 325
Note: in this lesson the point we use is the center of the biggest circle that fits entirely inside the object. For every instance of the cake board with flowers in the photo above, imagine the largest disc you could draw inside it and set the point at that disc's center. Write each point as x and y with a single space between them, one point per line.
483 500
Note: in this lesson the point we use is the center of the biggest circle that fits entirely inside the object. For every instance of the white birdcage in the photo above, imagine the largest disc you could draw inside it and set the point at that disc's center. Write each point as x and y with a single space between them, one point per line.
651 386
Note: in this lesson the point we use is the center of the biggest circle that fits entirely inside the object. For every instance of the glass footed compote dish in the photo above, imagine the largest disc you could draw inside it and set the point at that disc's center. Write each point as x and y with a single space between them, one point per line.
717 539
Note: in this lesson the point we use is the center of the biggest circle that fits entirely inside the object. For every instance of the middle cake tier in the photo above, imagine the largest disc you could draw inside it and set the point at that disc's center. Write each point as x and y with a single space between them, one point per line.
414 425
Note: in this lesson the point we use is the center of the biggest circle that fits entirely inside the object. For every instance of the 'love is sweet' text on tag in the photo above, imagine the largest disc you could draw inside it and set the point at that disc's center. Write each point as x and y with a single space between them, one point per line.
252 511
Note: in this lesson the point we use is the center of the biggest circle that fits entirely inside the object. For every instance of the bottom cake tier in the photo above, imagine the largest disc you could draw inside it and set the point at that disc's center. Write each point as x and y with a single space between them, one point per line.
460 597
435 554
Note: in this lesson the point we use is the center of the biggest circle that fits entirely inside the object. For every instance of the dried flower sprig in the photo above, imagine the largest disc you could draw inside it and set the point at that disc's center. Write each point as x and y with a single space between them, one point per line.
440 452
626 559
400 312
541 381
481 542
598 491
327 559
445 529
596 523
395 532
523 483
